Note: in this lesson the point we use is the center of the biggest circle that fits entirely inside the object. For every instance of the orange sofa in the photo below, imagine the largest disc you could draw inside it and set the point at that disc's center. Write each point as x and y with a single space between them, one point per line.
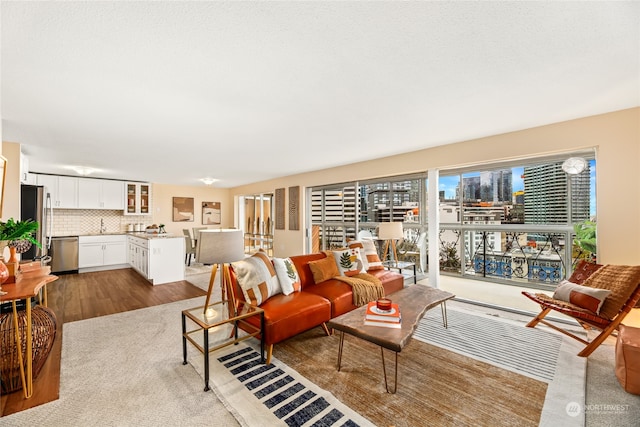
316 303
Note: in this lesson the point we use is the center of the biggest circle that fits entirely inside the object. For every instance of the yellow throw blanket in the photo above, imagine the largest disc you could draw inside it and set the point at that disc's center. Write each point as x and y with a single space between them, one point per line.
365 287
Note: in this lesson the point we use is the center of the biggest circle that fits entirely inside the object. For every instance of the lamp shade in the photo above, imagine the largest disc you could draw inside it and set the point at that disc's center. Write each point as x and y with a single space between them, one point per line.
220 246
390 231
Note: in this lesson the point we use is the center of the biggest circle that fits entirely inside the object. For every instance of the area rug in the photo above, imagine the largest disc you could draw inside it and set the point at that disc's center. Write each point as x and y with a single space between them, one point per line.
272 395
126 369
439 386
537 353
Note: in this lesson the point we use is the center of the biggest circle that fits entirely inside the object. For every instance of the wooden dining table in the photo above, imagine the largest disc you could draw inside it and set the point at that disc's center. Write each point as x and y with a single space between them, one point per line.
29 284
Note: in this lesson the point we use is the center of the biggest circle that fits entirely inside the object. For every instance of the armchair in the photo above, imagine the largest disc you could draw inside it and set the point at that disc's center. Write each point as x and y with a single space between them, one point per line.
622 281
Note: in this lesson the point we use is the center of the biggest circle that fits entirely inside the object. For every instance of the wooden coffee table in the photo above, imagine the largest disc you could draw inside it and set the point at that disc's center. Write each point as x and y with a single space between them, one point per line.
413 301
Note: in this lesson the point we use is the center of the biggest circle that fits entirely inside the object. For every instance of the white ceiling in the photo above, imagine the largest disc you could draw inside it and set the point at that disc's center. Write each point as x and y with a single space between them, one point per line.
171 92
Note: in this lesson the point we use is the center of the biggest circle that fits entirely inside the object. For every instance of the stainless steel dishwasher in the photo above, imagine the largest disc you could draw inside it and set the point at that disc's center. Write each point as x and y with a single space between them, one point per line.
64 254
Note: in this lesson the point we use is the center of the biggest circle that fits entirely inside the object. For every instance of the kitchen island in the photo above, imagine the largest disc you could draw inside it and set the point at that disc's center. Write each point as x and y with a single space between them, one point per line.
156 257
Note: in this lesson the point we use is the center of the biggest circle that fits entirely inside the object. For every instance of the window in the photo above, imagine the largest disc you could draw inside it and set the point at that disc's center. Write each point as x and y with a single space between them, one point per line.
506 222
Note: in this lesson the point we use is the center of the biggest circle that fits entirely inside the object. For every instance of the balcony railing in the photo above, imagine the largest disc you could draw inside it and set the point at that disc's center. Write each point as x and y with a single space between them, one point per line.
516 254
531 255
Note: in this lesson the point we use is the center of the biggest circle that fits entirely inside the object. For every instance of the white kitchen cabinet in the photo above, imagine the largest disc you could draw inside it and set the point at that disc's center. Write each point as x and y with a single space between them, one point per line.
63 190
158 259
137 198
102 252
25 176
113 195
139 255
100 194
30 179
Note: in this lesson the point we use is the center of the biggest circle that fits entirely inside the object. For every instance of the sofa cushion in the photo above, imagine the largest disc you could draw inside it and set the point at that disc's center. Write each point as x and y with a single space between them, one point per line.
349 261
257 278
289 315
339 293
324 269
287 275
302 265
392 281
582 296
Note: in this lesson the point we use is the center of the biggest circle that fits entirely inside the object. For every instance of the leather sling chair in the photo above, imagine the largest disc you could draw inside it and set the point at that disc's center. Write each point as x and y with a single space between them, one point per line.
622 281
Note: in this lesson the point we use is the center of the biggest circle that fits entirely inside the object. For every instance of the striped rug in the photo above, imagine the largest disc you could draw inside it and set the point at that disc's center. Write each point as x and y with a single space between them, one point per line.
493 340
273 395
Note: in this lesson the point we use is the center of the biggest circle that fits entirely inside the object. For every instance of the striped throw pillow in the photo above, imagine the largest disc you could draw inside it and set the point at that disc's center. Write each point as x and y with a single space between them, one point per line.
257 277
371 260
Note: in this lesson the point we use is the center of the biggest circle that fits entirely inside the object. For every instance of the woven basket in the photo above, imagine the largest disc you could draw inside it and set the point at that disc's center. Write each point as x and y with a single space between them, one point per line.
43 328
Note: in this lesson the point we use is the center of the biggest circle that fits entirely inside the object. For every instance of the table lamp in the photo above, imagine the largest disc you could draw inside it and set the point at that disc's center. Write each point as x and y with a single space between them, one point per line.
219 247
390 231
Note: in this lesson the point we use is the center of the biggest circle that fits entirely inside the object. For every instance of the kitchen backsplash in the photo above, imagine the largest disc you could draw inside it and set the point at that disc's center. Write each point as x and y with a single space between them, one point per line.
72 222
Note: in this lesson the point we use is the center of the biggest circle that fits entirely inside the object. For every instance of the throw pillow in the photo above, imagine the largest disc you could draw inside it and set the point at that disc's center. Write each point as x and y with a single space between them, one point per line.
582 296
257 278
371 254
287 275
324 269
349 261
583 270
358 244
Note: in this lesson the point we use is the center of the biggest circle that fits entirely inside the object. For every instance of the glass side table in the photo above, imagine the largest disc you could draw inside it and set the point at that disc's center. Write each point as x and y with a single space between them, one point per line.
401 265
219 326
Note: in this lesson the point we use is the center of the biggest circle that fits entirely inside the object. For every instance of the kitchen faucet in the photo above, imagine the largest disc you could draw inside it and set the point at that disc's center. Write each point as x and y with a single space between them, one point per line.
103 228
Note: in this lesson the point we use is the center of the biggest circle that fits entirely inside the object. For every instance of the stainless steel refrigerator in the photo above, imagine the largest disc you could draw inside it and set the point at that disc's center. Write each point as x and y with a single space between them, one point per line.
35 204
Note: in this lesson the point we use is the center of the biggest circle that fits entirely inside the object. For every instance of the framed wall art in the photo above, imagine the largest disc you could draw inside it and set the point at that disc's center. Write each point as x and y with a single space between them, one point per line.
294 208
183 209
279 208
211 214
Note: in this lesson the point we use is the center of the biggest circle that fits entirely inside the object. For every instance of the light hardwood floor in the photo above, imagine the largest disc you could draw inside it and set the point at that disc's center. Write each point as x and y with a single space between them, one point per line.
82 296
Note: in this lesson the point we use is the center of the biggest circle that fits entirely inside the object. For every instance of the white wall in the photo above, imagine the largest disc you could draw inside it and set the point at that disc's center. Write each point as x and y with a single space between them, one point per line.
616 136
163 195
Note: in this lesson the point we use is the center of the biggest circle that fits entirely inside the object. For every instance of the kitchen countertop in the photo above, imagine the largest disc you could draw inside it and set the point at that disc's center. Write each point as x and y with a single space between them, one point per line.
140 234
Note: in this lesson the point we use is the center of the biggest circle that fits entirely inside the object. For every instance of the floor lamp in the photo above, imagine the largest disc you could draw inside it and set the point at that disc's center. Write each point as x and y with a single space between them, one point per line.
219 247
390 231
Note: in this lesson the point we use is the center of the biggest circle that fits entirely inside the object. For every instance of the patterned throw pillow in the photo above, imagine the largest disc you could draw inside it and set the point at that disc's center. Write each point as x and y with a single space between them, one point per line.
324 269
371 253
287 275
349 261
358 244
257 278
583 270
582 296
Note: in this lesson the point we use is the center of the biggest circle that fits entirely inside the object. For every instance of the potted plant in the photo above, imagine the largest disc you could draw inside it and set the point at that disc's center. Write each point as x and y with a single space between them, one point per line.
585 239
18 234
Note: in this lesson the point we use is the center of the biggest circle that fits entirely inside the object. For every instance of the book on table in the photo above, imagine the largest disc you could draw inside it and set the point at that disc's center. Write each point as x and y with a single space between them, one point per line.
380 323
385 318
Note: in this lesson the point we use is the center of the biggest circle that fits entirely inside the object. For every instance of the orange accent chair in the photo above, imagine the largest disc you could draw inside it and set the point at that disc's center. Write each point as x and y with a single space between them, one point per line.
622 281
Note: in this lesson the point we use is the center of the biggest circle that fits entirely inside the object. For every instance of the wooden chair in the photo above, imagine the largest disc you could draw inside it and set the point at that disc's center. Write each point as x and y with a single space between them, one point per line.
624 283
